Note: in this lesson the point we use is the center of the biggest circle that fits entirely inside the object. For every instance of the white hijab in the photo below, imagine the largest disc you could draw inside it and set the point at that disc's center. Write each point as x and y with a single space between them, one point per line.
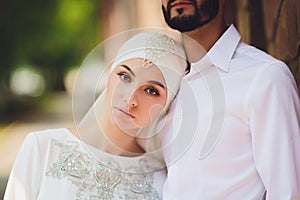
169 56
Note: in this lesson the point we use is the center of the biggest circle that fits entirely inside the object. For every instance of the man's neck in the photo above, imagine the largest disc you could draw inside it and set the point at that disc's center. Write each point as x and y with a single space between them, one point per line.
208 34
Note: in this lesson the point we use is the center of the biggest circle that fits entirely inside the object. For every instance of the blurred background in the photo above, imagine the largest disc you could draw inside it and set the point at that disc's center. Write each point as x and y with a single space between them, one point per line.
43 43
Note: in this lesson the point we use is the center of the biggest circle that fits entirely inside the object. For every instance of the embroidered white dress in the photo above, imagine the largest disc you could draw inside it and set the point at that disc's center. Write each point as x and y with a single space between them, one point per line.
54 164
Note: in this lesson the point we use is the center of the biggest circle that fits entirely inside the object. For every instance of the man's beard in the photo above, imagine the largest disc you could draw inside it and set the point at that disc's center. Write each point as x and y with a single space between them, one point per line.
203 14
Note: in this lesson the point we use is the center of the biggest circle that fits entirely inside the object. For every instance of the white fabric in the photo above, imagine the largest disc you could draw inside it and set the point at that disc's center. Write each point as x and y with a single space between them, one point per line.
29 179
164 51
258 147
169 56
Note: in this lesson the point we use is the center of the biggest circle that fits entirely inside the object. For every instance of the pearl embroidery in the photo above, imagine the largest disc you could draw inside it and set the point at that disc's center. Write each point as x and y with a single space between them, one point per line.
103 179
157 46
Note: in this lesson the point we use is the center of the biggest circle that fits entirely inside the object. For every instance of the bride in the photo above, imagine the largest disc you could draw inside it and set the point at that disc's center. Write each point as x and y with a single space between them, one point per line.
101 158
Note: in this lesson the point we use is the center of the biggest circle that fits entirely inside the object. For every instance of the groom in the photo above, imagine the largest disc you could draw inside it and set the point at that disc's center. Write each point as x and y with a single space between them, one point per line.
254 153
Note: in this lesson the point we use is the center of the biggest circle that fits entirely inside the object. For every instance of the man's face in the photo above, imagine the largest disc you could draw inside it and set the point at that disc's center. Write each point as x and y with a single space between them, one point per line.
188 15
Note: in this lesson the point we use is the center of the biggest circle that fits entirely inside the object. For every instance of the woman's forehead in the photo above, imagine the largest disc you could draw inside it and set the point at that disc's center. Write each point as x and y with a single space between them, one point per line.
138 67
135 63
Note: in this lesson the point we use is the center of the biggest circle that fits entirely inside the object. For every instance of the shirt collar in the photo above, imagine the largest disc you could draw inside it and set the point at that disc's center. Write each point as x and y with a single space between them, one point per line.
222 52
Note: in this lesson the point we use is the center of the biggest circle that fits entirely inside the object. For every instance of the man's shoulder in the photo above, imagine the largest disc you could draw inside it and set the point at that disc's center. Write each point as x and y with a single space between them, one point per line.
254 55
258 65
263 69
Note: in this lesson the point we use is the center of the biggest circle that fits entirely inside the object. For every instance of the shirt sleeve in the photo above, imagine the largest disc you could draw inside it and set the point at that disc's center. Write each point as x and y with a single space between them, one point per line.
24 178
274 124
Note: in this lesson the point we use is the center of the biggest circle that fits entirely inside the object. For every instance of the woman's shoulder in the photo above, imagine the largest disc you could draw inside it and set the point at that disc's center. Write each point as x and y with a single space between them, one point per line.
46 145
44 137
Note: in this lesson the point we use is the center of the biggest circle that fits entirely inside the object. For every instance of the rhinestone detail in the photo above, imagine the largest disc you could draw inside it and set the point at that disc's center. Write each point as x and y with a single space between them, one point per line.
157 46
102 179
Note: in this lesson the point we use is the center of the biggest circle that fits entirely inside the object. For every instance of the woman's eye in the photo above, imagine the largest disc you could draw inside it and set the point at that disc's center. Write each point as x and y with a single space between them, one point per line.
124 76
152 91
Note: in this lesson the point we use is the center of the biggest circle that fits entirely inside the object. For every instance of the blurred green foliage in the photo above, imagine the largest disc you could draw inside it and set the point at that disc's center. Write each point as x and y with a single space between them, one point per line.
49 35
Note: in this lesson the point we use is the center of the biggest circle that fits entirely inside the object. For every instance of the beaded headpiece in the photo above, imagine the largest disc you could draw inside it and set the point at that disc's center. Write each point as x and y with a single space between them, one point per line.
150 46
156 46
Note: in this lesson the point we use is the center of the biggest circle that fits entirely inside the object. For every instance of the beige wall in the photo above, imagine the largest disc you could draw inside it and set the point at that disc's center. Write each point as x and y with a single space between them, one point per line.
121 15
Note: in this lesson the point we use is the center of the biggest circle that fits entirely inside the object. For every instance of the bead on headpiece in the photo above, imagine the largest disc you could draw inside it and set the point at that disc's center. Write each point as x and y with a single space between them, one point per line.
156 46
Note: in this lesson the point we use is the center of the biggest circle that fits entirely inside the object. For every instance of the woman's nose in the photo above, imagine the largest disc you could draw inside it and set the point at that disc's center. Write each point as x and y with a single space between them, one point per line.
133 100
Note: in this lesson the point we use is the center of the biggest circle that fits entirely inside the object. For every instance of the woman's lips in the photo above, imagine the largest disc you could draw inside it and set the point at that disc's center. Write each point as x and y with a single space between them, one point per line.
178 4
125 112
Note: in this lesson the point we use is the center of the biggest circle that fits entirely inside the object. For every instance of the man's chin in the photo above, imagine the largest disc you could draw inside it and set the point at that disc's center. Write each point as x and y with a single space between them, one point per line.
183 23
183 29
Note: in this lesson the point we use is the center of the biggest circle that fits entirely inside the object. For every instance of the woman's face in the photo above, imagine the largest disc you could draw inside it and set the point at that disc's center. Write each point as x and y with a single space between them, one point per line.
135 94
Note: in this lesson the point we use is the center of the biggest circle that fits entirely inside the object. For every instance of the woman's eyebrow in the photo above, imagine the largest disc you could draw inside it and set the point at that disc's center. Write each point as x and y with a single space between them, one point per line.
128 68
157 83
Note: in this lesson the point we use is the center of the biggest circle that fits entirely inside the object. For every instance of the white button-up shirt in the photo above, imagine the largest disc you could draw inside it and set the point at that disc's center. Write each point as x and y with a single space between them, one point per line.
235 131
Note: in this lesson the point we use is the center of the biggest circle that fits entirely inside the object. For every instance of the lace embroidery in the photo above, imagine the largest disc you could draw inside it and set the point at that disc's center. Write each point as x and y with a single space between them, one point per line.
157 46
103 179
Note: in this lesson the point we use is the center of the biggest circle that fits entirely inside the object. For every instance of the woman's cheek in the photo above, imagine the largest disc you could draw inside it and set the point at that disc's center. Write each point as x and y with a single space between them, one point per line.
153 111
113 87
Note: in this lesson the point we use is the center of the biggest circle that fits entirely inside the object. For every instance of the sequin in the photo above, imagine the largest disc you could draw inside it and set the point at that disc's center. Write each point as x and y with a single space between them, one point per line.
157 46
102 179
